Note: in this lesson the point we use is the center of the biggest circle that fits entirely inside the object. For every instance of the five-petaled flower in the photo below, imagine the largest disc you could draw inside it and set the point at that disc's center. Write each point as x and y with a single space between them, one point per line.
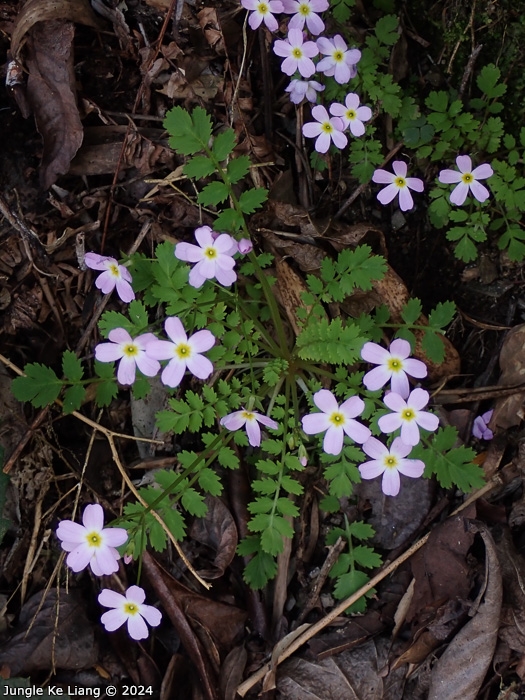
251 420
467 179
297 53
390 463
182 352
263 11
130 351
408 416
480 427
397 183
299 89
352 114
128 608
340 61
91 543
304 12
394 364
213 256
113 275
325 130
338 421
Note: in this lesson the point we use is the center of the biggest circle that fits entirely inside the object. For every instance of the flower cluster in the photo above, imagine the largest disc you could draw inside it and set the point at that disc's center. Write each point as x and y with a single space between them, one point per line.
93 545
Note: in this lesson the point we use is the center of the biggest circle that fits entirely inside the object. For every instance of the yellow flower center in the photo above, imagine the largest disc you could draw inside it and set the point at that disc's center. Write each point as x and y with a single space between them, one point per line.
408 414
351 114
390 462
327 127
394 364
337 419
131 608
400 182
131 350
304 9
338 56
210 253
183 351
248 415
94 539
297 53
113 268
467 178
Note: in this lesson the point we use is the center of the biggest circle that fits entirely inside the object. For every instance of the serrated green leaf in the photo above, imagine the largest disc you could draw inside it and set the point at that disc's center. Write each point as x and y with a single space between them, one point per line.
186 131
138 315
366 557
223 144
229 220
40 386
487 81
73 398
238 168
442 315
193 502
433 346
252 199
261 569
72 366
386 30
347 585
198 167
330 341
213 194
411 311
106 391
174 522
361 530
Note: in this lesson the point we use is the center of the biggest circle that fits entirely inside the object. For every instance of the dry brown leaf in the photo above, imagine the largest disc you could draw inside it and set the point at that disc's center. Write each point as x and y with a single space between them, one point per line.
509 410
512 564
35 11
51 94
217 531
60 634
459 673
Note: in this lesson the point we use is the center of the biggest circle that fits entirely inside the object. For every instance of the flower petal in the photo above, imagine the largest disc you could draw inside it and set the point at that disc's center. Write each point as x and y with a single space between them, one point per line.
479 191
175 330
400 168
233 421
370 470
459 194
137 628
93 517
325 401
464 164
374 448
448 177
406 201
386 195
391 482
482 172
315 423
113 619
199 366
333 440
254 433
374 353
173 373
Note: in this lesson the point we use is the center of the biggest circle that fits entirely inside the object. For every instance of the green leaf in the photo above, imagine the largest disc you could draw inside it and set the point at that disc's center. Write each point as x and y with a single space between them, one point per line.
341 10
229 220
199 166
138 316
487 81
348 584
437 101
223 144
193 502
40 386
250 200
411 311
106 391
442 315
366 557
433 346
188 134
174 521
73 398
361 530
213 194
238 168
71 366
386 30
261 569
330 341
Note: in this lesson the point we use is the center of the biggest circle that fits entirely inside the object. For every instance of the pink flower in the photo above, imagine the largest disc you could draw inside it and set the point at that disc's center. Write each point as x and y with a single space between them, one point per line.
263 12
251 420
390 463
91 544
408 415
325 129
129 608
213 256
297 53
480 428
130 351
114 275
245 246
299 89
305 12
182 352
394 364
467 179
340 61
397 183
336 420
352 114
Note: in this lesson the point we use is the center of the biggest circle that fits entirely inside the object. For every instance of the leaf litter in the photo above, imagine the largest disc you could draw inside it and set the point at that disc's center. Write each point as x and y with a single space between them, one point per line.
98 98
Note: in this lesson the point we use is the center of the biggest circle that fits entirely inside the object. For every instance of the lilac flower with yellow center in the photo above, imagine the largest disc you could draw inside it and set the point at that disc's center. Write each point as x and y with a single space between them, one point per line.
113 275
336 420
352 114
250 420
213 256
467 179
394 365
390 463
182 352
130 351
299 89
340 61
305 12
129 609
408 415
297 53
398 183
91 544
325 130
